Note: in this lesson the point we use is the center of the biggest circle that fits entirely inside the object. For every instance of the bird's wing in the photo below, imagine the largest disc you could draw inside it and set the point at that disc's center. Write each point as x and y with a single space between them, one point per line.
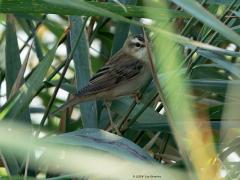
112 75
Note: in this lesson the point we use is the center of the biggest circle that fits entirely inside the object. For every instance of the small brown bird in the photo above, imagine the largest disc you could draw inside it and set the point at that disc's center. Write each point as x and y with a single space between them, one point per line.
123 75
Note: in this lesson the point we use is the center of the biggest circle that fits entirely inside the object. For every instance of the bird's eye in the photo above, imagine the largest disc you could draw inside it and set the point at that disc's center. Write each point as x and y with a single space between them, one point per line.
138 45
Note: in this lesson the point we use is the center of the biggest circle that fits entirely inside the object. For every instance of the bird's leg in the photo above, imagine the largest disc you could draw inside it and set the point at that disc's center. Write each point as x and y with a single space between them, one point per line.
137 96
108 104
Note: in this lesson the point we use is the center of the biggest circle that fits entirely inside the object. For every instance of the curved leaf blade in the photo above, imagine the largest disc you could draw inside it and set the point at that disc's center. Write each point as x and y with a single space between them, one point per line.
195 9
104 141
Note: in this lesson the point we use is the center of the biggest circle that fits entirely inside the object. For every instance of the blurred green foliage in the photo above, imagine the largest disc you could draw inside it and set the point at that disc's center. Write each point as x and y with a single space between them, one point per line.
205 34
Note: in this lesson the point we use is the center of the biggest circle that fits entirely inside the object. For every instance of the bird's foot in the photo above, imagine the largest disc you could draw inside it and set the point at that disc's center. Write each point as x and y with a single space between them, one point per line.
137 97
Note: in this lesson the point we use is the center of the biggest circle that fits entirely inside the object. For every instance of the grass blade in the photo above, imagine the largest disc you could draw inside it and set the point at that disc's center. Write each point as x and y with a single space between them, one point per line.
82 71
62 7
195 9
122 30
20 101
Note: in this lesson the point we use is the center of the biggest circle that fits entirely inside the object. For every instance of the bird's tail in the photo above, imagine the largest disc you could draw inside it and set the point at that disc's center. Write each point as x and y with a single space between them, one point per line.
73 101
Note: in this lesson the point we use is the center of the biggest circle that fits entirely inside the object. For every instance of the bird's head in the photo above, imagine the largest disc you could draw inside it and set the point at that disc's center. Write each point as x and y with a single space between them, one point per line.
135 46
